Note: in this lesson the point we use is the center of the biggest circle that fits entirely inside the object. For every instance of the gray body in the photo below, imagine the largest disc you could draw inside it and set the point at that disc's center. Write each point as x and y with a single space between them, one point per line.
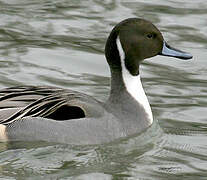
104 122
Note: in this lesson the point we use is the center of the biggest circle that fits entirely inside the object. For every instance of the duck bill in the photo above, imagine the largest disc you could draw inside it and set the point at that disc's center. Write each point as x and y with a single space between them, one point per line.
172 52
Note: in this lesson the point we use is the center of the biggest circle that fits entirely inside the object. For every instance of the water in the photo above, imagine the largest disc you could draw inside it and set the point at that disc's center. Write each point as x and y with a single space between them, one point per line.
61 43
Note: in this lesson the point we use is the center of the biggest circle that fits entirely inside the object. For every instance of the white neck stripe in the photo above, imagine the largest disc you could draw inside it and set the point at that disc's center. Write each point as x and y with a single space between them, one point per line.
133 84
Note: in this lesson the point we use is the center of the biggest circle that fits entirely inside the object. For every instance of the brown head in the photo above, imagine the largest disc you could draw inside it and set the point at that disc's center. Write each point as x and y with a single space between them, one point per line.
139 39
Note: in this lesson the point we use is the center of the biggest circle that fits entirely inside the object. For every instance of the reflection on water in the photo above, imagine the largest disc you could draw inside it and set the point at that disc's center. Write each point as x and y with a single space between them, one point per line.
61 43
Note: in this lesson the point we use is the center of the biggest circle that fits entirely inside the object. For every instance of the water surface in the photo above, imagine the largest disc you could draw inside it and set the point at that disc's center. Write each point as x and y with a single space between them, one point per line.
61 43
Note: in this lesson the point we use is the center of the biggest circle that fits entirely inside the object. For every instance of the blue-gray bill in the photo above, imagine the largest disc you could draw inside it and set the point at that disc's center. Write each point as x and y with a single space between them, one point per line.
172 52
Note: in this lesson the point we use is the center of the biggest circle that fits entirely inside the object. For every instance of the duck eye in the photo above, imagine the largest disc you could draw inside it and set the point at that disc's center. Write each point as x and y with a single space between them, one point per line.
151 36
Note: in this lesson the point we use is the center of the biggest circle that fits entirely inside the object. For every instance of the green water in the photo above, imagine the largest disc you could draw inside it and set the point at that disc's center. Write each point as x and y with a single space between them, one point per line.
61 43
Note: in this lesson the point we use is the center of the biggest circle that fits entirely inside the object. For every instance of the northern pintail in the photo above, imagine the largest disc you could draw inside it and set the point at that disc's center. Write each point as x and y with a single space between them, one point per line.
29 113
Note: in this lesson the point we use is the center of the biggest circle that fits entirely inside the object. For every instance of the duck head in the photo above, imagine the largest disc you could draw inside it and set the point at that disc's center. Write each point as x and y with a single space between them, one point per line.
134 40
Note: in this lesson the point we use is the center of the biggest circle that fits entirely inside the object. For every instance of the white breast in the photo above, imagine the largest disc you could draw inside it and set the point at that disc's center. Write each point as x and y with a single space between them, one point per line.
133 84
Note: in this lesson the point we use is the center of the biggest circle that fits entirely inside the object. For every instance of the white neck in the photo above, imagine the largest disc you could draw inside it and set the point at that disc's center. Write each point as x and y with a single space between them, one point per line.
133 84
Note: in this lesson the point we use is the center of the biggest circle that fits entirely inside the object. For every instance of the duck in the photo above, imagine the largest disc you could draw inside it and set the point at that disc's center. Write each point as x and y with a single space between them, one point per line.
52 114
